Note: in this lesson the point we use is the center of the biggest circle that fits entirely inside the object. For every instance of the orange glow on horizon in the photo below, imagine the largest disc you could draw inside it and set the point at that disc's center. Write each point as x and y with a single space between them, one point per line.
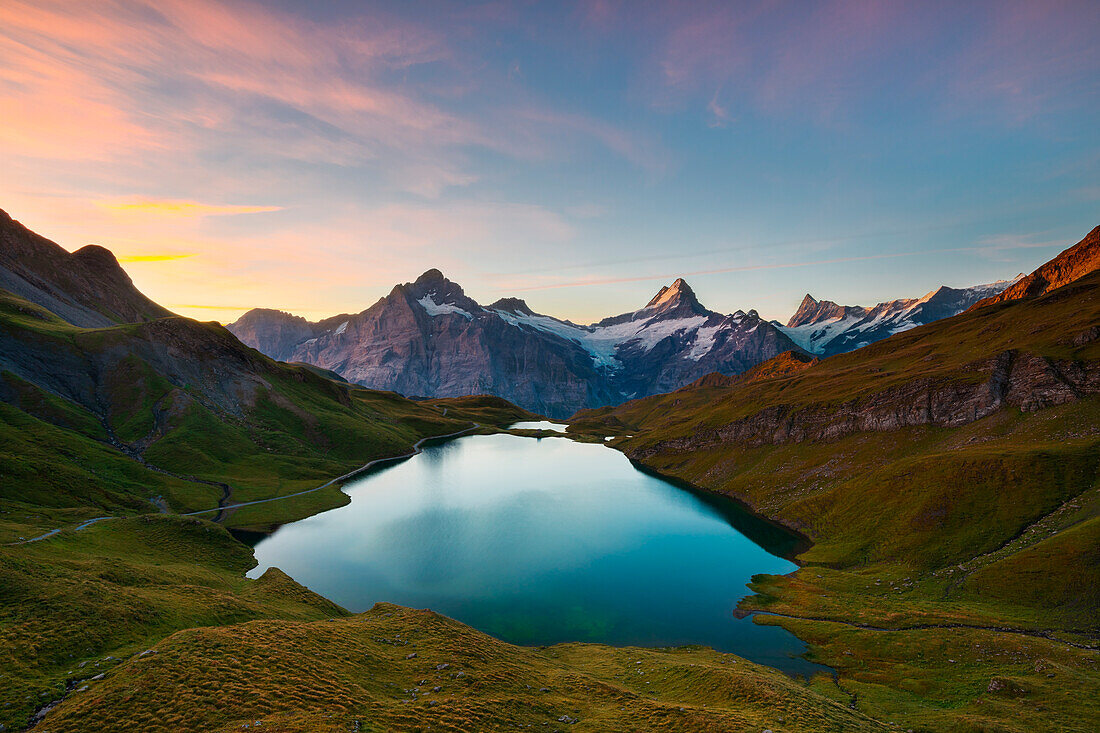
179 208
125 259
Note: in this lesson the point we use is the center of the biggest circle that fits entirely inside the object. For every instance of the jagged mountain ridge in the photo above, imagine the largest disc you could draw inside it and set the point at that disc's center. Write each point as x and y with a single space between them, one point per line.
825 328
429 338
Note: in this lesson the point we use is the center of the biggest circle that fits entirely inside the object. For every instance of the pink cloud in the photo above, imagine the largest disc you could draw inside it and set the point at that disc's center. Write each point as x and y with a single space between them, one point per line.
820 60
105 60
1032 58
116 79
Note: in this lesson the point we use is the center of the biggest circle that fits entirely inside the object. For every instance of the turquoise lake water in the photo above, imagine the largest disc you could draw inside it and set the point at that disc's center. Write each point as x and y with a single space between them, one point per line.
539 541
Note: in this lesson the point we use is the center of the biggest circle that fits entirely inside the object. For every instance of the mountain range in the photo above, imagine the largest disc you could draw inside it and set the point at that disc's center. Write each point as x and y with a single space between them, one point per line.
428 338
824 328
945 478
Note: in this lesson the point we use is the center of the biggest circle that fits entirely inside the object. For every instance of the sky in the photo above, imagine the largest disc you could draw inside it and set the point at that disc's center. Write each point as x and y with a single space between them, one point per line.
308 156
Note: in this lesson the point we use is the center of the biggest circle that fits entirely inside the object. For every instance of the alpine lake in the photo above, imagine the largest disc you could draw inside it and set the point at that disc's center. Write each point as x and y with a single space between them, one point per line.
538 541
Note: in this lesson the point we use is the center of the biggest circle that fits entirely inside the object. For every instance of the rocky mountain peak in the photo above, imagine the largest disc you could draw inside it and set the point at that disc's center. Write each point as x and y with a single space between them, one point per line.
512 305
812 310
805 311
431 276
433 293
435 283
676 297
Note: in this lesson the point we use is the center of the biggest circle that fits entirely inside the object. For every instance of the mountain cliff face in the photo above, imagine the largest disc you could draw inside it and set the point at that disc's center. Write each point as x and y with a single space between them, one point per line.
825 328
428 338
86 288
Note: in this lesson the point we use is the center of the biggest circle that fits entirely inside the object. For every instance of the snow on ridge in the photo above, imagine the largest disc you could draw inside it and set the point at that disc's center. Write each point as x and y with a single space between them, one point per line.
601 342
439 309
809 334
893 316
343 327
603 354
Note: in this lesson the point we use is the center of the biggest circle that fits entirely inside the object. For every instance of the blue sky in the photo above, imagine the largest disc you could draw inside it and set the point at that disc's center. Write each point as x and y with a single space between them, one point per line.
307 156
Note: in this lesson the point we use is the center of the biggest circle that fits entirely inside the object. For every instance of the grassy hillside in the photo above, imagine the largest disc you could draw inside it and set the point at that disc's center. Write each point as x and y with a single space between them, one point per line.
77 604
178 414
949 478
397 669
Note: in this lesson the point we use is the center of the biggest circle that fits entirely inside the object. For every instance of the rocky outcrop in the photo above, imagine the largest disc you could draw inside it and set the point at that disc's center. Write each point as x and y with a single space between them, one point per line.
1021 380
428 338
1072 264
87 288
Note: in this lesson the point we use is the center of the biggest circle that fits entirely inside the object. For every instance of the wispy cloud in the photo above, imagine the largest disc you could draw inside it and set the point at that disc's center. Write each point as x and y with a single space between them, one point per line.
126 259
178 208
174 79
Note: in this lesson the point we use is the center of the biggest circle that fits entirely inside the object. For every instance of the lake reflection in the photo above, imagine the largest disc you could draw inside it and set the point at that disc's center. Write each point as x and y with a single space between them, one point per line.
539 542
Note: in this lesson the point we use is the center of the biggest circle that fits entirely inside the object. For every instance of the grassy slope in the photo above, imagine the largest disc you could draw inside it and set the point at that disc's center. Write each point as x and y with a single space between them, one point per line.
121 586
356 673
995 523
74 605
60 460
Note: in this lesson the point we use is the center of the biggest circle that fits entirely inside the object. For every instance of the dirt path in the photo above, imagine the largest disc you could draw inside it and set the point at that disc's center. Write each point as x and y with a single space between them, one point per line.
52 532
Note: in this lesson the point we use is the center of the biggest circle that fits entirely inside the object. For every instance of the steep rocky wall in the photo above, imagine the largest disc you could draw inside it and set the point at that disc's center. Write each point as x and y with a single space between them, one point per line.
1013 379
